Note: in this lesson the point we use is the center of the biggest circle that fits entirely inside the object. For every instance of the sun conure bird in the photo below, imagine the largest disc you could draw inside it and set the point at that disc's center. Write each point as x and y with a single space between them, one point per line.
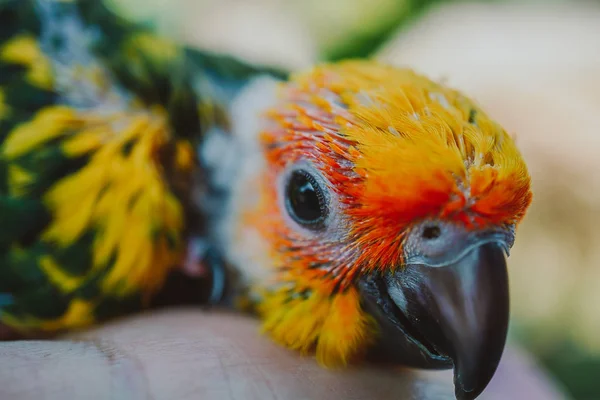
366 211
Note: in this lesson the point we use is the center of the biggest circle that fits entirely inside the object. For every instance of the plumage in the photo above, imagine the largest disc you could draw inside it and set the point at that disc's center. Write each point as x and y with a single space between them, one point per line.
99 124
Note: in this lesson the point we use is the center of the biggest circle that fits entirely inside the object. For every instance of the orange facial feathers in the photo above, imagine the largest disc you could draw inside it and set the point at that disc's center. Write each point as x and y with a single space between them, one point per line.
396 148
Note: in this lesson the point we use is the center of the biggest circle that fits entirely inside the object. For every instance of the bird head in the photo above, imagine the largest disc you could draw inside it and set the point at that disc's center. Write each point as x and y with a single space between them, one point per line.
374 180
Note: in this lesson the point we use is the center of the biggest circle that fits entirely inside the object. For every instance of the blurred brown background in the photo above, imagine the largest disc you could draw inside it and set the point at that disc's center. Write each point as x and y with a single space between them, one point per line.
534 65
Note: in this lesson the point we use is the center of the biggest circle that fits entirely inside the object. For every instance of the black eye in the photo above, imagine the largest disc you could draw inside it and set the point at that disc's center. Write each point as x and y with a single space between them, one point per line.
305 201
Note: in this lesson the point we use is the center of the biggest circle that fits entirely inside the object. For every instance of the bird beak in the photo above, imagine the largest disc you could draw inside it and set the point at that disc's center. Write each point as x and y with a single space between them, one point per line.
459 311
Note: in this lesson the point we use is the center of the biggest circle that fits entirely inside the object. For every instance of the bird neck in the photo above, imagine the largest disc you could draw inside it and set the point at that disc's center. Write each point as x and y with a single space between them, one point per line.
231 159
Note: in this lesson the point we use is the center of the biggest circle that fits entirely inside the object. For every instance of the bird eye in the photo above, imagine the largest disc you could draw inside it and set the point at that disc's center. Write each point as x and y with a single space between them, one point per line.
305 200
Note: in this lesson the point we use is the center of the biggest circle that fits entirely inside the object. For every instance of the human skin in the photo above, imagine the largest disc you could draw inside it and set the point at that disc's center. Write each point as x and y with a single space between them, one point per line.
180 354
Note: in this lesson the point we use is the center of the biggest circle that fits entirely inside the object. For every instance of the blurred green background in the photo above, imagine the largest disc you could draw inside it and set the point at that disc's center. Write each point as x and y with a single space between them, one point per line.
534 65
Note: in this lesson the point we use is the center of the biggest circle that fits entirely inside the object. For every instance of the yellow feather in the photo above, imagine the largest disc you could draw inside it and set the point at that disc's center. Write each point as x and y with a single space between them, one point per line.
61 279
80 313
346 331
335 325
18 180
83 142
24 50
185 156
49 123
4 108
73 200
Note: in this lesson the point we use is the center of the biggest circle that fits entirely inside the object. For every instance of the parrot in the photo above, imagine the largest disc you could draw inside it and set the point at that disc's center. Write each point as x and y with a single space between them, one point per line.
360 210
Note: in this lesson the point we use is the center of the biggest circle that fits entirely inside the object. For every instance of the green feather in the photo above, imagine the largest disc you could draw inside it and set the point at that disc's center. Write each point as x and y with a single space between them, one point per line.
21 272
19 218
108 43
43 302
26 97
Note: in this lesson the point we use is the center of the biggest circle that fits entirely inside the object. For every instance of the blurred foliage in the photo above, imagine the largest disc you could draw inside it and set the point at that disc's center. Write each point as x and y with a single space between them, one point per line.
346 29
358 28
577 370
339 28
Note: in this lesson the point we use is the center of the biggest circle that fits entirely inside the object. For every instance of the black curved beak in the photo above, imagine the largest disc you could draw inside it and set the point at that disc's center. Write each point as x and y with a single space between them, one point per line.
460 311
447 315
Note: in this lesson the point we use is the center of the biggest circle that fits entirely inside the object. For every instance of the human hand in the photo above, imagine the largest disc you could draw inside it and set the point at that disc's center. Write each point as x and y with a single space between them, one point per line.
180 354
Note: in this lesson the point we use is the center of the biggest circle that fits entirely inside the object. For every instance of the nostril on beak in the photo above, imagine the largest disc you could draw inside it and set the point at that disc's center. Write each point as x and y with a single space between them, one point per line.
431 232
